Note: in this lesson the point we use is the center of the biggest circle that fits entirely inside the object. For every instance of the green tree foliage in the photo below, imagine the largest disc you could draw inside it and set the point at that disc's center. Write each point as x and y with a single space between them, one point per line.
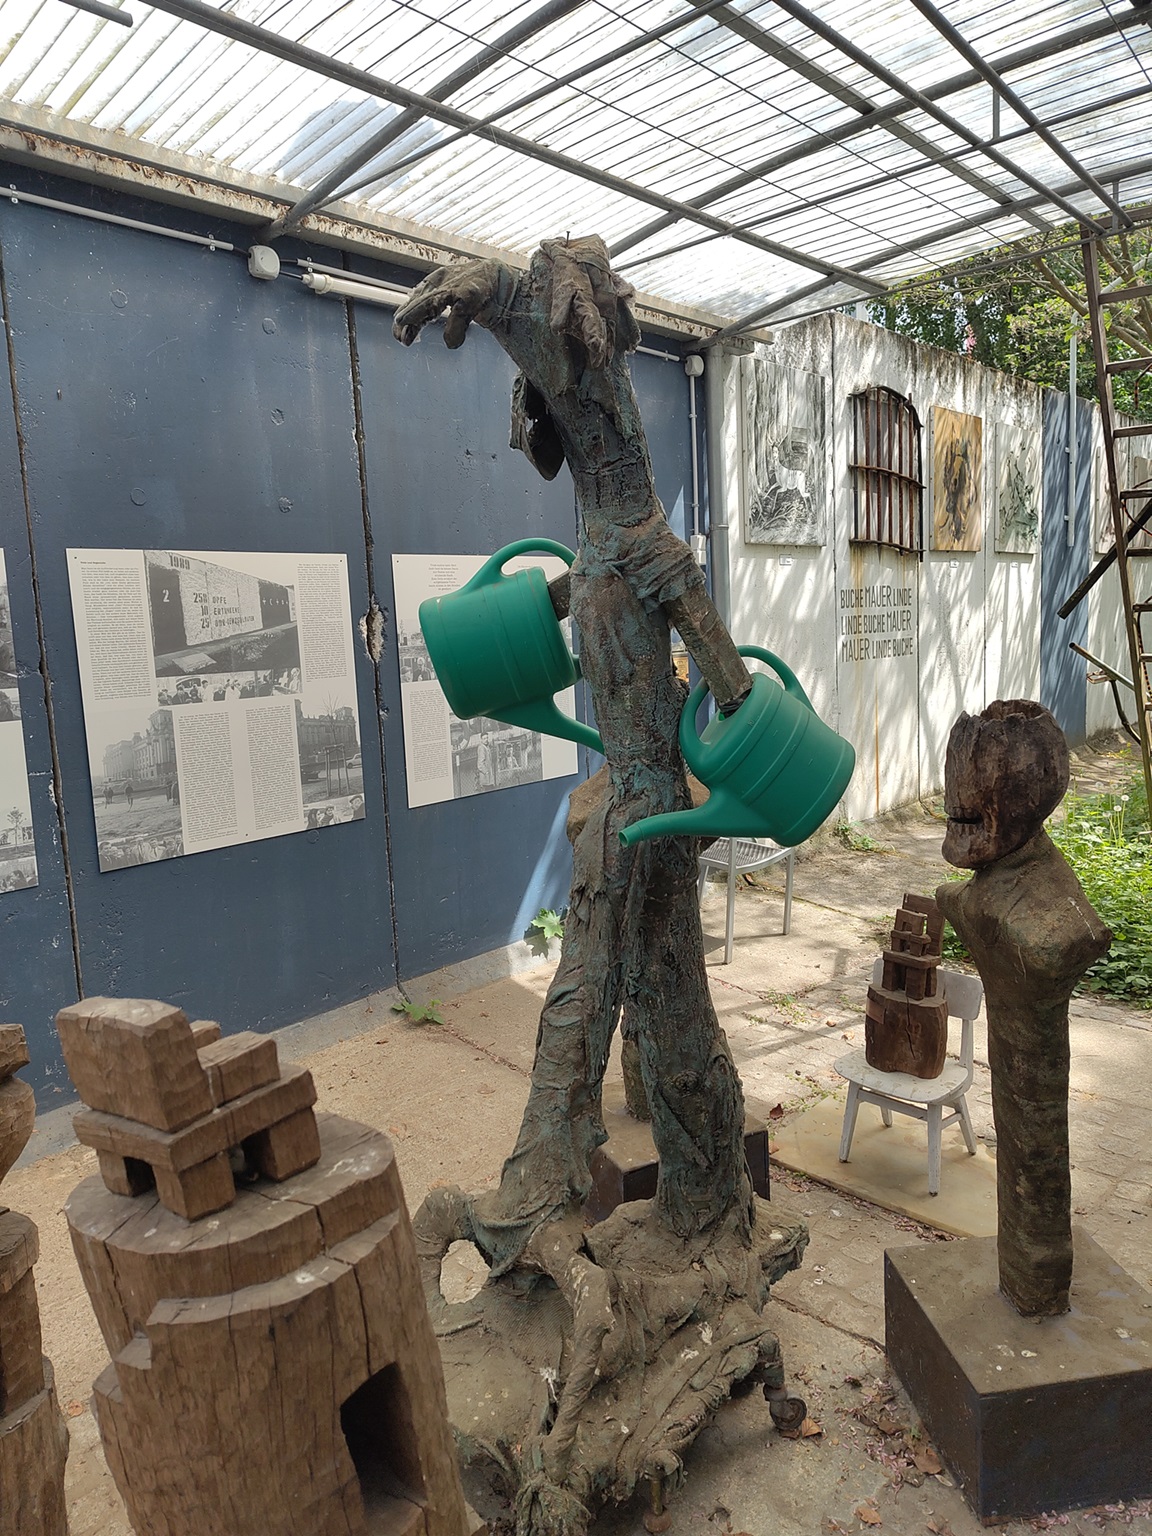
1012 309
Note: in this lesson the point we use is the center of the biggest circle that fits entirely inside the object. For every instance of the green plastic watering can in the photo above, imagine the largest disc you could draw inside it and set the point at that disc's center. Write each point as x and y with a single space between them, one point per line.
773 769
498 649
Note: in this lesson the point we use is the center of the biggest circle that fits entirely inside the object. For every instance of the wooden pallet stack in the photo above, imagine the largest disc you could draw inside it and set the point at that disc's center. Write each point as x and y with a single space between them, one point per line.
254 1275
33 1434
906 1016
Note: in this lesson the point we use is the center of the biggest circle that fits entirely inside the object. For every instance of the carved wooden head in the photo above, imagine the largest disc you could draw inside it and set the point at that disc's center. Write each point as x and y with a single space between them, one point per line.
1005 771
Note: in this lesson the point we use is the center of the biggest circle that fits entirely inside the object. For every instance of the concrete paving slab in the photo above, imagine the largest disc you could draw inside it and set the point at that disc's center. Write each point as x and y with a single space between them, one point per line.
889 1167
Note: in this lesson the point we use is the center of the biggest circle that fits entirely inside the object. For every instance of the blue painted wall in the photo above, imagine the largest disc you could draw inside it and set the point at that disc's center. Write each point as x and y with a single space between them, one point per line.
1063 688
168 399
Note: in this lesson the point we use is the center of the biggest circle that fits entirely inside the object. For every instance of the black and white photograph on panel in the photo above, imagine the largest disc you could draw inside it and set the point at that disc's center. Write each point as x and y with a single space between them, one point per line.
135 786
446 758
17 846
489 754
785 455
331 765
211 618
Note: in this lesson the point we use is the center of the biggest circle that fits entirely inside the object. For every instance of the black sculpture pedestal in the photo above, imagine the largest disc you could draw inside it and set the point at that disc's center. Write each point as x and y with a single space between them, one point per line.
1029 1414
626 1166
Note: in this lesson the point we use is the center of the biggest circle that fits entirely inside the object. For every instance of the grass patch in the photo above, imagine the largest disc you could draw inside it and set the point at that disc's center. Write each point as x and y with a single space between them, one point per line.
1106 840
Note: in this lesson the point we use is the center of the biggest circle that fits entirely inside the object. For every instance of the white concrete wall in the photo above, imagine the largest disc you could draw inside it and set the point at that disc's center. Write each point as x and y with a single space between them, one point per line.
973 618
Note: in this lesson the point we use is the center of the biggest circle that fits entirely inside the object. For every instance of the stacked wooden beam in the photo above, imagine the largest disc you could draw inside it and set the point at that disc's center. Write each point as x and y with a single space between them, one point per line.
173 1106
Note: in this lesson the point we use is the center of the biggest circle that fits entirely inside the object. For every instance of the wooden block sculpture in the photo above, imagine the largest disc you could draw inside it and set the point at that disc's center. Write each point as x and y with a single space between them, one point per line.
906 1017
273 1368
33 1434
170 1103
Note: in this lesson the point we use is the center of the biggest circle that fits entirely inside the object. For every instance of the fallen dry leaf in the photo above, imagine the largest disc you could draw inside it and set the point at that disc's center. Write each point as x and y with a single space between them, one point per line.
926 1460
74 1410
867 1514
810 1428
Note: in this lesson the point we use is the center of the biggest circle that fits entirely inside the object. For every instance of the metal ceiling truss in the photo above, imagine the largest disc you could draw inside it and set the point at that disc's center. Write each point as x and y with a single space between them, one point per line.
434 106
266 41
1020 107
493 53
1010 207
1116 174
870 118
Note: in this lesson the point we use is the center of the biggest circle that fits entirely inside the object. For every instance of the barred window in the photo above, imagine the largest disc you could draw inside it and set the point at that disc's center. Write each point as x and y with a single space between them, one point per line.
886 470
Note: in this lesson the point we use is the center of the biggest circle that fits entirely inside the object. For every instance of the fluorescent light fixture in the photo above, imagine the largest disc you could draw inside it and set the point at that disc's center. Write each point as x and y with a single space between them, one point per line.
349 288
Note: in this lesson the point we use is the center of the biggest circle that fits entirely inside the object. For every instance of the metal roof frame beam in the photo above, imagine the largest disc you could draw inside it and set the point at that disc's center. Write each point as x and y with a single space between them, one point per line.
265 41
1116 174
613 56
755 34
328 189
1019 59
1018 105
1086 110
866 60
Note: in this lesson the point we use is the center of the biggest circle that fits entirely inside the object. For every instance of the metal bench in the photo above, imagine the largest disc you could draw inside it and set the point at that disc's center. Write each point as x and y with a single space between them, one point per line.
740 856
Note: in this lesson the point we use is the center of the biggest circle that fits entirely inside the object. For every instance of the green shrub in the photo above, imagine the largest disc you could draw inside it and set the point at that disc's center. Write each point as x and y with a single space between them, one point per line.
1105 838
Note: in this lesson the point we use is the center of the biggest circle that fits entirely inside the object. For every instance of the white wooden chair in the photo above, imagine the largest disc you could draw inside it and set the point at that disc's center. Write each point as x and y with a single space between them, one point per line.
924 1098
739 856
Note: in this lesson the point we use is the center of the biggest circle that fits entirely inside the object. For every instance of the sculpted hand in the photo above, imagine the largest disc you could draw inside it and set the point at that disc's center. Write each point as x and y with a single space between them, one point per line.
465 291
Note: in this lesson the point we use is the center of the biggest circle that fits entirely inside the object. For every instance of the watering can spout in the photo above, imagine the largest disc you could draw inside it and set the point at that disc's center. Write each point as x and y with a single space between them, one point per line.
712 819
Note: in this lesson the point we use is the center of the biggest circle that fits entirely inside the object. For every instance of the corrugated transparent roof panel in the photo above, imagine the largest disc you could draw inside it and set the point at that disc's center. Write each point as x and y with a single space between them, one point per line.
743 112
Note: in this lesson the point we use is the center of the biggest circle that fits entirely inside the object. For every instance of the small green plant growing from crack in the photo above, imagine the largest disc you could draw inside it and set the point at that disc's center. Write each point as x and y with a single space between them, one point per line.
549 924
420 1013
855 838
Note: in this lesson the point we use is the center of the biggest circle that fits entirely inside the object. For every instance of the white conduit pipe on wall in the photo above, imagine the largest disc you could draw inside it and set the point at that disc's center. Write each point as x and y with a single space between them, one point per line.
1073 443
715 362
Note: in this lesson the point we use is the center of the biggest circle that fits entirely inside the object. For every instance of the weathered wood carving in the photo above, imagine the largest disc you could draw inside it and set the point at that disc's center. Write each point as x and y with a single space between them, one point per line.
590 1333
273 1368
169 1101
1033 934
906 1017
33 1434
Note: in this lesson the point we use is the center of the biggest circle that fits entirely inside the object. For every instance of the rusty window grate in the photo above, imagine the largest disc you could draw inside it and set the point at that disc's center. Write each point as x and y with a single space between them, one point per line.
886 470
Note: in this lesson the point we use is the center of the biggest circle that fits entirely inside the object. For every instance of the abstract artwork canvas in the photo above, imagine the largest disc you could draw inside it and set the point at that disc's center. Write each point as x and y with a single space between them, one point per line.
786 483
957 468
1017 490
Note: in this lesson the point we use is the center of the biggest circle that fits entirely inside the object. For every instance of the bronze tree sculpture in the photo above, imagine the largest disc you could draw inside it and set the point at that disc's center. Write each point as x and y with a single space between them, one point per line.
649 1318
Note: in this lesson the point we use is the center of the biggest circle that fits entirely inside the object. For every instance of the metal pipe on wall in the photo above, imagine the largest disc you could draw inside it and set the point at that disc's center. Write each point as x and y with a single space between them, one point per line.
1073 442
715 366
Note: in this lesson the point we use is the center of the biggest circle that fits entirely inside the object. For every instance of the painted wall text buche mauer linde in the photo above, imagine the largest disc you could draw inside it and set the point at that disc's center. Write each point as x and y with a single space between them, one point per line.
876 622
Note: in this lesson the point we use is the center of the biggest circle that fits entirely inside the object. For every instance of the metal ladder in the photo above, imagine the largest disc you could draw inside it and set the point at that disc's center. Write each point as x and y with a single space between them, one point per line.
1131 506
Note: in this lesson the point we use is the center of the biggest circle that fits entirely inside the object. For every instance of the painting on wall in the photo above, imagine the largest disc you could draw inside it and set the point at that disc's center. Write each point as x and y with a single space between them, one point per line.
787 429
1017 490
957 466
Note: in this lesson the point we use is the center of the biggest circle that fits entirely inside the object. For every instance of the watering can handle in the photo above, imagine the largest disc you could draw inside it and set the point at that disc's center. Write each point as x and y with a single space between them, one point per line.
495 563
688 736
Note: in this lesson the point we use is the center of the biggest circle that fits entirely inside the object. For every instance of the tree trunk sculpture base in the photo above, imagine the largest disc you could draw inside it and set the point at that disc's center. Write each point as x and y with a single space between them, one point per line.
273 1366
667 1325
